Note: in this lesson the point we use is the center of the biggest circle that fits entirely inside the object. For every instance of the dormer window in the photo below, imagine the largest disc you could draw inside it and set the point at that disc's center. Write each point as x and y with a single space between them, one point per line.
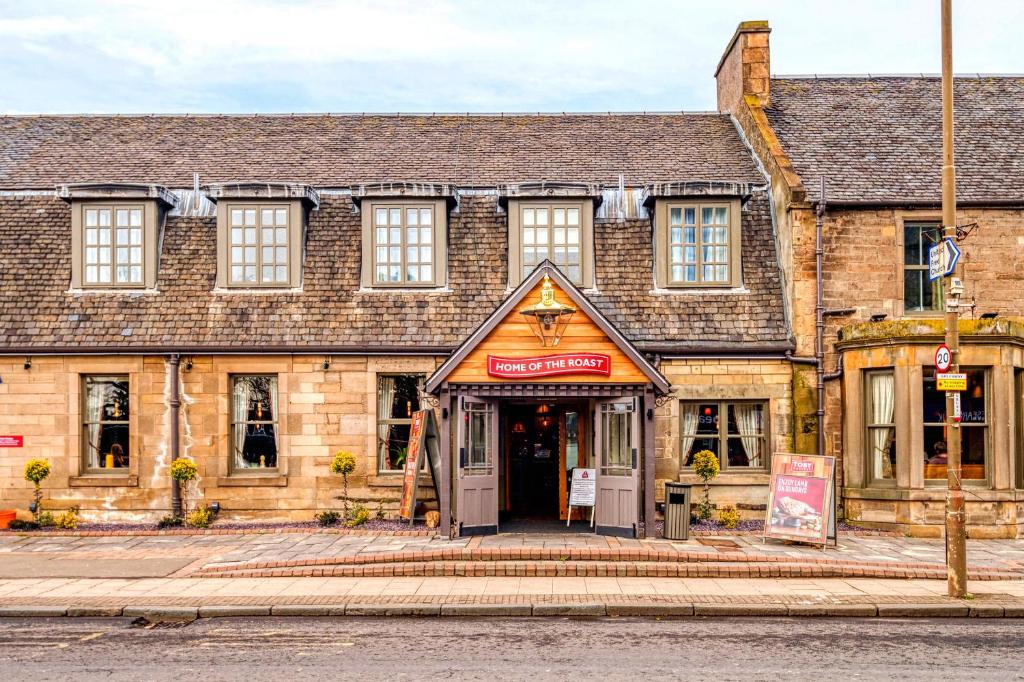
115 234
557 229
260 233
697 243
405 235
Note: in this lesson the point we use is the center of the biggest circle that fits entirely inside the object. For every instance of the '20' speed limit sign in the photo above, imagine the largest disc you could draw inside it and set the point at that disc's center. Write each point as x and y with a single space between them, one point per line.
943 358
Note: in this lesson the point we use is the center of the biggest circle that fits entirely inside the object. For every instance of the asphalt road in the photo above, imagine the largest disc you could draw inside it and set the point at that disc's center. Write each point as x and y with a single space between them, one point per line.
287 649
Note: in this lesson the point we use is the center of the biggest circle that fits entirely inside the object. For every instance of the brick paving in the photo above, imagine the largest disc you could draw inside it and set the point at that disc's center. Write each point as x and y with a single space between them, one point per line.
324 554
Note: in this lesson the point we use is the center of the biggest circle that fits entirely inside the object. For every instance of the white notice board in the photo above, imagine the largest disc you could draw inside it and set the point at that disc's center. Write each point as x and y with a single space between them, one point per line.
582 491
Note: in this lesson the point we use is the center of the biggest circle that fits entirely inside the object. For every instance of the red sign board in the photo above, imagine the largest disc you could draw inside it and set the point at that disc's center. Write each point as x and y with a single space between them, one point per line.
412 466
943 358
549 365
12 441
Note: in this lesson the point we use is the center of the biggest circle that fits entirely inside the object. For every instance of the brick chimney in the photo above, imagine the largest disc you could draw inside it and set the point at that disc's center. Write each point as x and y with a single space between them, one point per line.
745 67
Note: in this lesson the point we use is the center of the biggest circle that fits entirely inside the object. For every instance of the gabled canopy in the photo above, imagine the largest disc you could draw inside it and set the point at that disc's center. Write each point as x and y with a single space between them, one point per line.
582 304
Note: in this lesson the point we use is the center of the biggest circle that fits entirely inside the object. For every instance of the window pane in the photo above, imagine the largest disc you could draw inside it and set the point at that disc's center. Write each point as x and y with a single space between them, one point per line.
973 427
382 216
412 217
746 420
250 216
236 216
254 414
105 423
267 216
573 216
282 216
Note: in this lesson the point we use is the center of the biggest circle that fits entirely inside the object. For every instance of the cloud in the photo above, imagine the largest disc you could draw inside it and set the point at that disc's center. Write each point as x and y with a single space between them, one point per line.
452 55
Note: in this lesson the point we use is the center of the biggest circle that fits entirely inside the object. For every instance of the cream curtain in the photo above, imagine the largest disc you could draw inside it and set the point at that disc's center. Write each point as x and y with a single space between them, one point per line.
241 412
690 412
385 398
882 405
272 384
96 394
748 422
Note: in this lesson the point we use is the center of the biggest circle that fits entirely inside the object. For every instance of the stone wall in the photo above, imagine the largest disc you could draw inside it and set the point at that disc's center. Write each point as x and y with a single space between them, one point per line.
725 379
320 411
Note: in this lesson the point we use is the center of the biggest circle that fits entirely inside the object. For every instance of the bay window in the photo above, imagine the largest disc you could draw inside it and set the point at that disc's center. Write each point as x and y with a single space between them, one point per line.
973 426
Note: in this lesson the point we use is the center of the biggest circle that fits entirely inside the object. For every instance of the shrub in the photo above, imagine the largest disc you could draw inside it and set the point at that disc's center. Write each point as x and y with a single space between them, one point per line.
170 521
184 470
327 518
19 524
380 510
36 471
45 519
705 465
344 463
729 517
68 519
201 517
360 515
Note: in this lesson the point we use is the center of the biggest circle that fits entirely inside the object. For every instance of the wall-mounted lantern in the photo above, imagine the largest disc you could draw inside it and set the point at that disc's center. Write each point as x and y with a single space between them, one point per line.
548 318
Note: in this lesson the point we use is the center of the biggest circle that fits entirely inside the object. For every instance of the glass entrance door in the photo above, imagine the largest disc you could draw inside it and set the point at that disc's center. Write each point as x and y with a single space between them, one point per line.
477 488
617 445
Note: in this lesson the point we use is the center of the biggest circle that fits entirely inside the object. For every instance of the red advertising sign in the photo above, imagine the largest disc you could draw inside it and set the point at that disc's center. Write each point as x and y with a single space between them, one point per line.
12 441
800 498
549 365
412 466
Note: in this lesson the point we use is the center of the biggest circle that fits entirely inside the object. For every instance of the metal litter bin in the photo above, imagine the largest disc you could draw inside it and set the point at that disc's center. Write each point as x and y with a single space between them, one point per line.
677 511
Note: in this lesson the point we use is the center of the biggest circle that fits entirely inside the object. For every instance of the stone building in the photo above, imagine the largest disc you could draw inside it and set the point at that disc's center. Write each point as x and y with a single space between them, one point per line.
876 143
284 287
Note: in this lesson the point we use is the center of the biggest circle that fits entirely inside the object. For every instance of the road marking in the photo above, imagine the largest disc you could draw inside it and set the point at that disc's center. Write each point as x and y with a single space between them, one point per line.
94 635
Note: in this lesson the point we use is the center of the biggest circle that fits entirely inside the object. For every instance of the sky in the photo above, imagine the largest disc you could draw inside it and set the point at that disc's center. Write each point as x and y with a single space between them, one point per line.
233 56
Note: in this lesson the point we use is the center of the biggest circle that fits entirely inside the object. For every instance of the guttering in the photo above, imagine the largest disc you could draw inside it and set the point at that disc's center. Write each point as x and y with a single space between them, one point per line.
684 351
919 203
39 351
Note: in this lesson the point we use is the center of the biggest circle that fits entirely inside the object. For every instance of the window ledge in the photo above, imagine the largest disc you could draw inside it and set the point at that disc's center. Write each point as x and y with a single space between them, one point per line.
257 290
104 481
394 479
106 291
698 290
252 481
733 477
384 289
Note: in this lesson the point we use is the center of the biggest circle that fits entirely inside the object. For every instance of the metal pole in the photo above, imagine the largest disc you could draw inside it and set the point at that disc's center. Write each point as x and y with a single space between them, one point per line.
956 532
174 402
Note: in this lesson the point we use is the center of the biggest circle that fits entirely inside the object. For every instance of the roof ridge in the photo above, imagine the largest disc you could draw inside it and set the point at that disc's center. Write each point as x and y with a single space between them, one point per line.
851 76
397 114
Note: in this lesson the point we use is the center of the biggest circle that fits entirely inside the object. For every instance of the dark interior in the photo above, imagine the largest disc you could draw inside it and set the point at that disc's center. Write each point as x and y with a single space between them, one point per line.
533 460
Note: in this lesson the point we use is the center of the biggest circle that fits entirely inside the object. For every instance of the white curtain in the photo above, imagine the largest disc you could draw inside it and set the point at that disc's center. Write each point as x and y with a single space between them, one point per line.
241 413
272 382
690 412
385 397
93 414
882 405
748 422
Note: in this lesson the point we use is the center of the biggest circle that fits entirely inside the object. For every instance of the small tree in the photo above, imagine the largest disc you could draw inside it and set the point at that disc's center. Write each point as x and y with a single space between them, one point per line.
705 465
344 463
36 471
184 471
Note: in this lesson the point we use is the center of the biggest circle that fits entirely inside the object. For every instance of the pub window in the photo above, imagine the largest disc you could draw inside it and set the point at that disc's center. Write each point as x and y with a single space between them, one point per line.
736 431
920 294
1018 401
258 240
973 426
881 425
105 423
255 441
112 245
560 232
397 398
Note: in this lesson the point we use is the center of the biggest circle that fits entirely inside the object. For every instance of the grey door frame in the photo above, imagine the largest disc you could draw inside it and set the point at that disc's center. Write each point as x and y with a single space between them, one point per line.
618 483
492 454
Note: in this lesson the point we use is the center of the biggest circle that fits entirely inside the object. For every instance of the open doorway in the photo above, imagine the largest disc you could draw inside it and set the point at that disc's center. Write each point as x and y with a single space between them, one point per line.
543 442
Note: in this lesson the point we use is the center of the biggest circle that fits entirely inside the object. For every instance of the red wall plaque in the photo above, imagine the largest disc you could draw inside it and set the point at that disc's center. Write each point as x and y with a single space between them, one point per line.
549 365
12 441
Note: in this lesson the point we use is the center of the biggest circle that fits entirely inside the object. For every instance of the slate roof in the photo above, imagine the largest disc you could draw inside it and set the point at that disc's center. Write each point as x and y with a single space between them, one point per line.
37 311
878 138
39 152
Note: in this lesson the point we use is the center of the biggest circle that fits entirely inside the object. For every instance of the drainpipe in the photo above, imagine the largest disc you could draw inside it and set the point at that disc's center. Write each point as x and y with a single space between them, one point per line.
173 362
819 315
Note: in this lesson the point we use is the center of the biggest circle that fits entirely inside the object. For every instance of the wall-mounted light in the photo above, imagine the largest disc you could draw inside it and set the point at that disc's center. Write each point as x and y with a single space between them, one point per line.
188 364
878 317
548 318
215 507
327 363
28 363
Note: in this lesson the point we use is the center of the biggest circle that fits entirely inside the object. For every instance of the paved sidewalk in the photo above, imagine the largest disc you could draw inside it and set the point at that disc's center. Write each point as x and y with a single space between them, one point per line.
337 554
190 597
